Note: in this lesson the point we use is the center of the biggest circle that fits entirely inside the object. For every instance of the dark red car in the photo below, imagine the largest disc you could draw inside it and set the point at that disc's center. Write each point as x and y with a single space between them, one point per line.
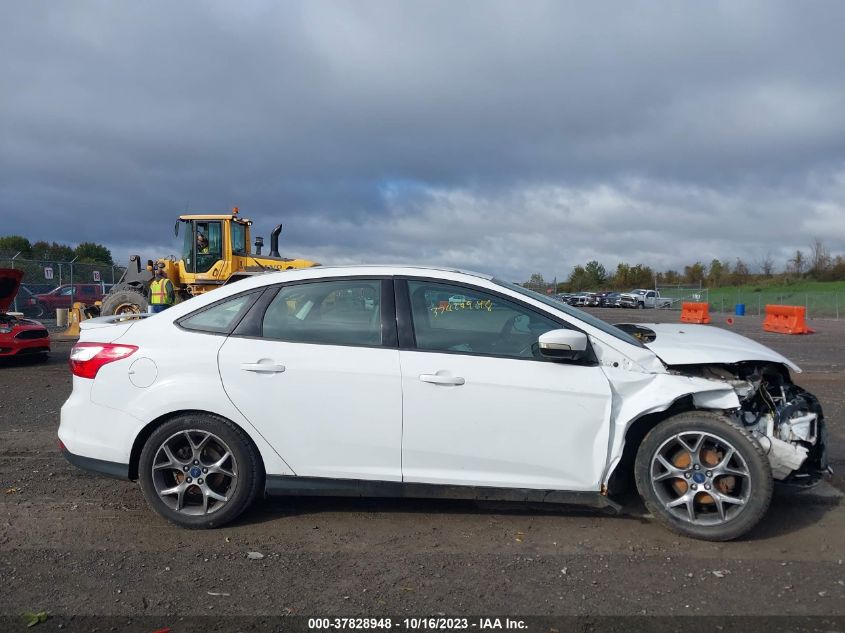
18 336
61 297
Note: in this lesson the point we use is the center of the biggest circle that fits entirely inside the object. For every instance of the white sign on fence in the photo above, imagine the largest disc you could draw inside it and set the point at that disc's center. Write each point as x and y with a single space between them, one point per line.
48 272
96 275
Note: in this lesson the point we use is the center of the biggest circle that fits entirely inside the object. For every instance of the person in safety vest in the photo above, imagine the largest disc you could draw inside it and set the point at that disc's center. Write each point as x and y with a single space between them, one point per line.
202 244
162 295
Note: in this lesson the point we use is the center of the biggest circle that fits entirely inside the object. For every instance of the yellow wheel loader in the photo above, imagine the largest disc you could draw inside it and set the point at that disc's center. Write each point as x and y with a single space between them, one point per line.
215 251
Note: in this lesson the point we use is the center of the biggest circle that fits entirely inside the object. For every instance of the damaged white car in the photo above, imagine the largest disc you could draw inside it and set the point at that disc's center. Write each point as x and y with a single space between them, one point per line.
375 381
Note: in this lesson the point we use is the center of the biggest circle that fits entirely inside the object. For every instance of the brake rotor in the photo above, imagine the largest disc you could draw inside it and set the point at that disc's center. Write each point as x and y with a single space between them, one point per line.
709 457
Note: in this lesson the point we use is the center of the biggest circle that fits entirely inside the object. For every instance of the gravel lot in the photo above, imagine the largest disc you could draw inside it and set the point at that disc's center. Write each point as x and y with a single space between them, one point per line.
73 544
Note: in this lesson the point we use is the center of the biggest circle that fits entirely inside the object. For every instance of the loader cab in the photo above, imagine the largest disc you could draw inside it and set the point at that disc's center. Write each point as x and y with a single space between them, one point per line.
210 243
202 245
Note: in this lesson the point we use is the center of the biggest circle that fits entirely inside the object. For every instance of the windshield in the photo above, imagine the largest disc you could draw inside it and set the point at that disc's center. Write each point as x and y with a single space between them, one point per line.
589 319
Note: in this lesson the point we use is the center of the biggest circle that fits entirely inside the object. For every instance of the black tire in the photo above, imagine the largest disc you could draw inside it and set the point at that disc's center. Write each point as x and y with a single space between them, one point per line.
749 477
241 492
640 305
38 311
121 299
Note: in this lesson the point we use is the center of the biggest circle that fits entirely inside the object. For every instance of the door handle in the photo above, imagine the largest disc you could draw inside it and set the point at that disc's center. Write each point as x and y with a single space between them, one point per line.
263 368
442 380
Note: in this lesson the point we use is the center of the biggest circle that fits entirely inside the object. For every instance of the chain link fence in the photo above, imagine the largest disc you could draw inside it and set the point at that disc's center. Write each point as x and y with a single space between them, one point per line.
50 284
819 305
680 293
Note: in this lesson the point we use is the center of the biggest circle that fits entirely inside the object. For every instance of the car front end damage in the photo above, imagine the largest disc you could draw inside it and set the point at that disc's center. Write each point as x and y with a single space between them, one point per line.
783 418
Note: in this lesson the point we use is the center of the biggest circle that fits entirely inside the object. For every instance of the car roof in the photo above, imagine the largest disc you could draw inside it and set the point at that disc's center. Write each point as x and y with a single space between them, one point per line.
414 267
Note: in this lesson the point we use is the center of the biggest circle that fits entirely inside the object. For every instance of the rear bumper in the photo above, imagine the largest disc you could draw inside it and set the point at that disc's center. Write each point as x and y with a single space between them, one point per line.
99 466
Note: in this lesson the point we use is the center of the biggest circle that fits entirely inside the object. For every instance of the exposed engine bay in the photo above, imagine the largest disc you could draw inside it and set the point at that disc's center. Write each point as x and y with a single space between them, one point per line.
786 420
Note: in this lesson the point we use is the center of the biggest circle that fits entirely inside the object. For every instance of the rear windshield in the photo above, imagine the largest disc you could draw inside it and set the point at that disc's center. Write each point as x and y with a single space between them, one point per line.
587 318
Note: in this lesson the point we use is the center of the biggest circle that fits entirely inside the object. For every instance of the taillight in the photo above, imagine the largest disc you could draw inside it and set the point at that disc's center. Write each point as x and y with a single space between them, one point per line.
87 358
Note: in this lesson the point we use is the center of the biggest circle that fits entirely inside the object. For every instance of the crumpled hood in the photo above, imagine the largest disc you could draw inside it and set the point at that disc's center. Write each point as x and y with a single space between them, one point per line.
10 281
686 344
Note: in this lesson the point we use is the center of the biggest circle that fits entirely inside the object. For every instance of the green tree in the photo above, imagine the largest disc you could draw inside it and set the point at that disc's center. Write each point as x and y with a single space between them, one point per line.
52 251
694 274
596 274
836 272
578 279
671 278
798 264
15 244
718 273
640 276
620 277
740 273
820 260
91 252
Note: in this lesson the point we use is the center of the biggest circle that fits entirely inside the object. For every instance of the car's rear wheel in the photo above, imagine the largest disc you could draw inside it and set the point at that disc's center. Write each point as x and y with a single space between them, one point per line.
704 476
199 471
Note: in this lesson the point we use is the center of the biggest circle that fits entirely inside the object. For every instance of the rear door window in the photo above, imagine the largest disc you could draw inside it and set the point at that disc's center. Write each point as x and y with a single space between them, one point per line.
344 312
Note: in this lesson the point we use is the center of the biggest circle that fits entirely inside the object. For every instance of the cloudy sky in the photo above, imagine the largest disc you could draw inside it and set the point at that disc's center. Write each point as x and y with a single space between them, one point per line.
510 137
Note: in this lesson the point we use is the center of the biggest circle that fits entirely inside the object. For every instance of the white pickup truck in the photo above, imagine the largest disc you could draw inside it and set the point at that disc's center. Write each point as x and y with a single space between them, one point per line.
641 298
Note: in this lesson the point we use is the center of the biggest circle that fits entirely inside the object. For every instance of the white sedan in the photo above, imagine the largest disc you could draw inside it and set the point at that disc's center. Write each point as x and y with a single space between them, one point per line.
361 381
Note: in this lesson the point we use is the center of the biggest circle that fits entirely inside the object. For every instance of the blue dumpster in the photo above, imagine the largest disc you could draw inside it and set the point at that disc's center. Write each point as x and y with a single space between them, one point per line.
740 309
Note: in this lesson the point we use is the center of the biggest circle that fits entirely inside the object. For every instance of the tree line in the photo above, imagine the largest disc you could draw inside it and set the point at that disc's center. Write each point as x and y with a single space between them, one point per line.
816 264
86 252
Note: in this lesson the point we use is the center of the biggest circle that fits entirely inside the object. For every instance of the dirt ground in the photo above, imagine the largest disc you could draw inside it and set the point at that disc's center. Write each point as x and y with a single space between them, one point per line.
74 544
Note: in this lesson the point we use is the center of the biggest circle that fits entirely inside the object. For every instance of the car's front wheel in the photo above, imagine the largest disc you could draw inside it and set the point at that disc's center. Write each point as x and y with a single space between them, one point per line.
199 471
704 476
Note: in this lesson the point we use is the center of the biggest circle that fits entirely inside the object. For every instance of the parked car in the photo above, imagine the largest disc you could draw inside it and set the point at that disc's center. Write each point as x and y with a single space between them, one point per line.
642 298
584 299
609 299
26 303
65 295
18 336
223 397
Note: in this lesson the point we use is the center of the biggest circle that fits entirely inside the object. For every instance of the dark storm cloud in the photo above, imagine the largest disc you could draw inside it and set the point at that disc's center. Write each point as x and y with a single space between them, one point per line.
546 133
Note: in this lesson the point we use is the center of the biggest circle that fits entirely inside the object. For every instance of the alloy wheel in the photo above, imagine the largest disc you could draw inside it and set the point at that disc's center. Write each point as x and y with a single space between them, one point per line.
194 472
700 478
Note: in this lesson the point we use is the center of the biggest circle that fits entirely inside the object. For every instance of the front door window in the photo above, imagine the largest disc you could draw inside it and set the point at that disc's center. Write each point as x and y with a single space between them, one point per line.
458 319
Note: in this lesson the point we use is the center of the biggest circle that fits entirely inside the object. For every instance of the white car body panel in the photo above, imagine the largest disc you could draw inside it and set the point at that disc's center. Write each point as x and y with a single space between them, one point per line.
186 380
636 395
351 428
537 431
513 423
688 344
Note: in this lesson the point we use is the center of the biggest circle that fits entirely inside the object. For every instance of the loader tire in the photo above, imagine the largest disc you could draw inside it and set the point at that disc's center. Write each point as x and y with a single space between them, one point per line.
124 301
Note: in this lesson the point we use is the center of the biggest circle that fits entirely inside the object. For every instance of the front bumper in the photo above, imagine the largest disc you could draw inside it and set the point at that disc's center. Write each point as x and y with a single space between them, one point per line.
816 467
19 347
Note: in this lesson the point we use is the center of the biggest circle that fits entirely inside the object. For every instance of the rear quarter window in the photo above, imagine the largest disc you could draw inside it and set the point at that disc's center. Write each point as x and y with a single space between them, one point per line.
220 317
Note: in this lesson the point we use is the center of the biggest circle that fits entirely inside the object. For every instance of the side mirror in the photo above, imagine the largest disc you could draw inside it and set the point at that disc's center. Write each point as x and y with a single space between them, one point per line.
562 344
